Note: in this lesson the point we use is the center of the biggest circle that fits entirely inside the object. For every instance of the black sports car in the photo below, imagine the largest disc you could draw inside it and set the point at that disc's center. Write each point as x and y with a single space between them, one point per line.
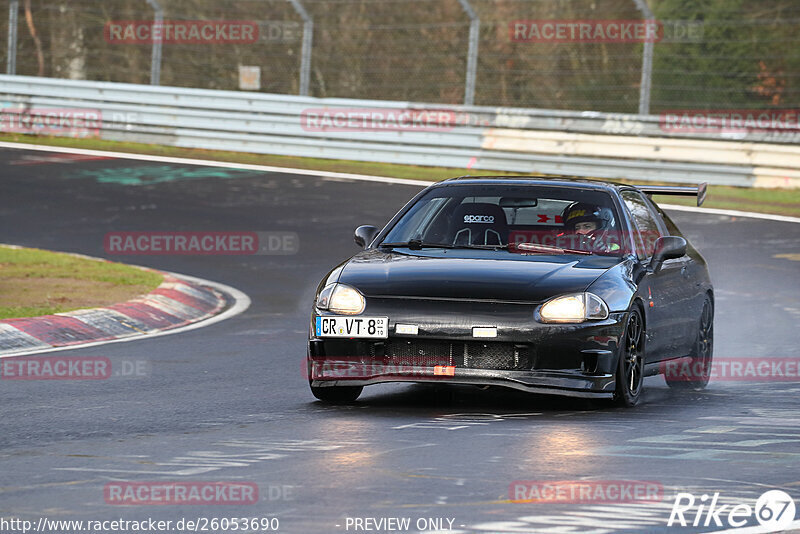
548 285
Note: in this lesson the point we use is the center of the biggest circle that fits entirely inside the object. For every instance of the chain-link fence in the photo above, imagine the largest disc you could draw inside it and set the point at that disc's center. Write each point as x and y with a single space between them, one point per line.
558 54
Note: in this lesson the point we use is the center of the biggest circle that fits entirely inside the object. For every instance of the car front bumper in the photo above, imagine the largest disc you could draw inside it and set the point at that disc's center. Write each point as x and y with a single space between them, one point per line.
600 386
564 359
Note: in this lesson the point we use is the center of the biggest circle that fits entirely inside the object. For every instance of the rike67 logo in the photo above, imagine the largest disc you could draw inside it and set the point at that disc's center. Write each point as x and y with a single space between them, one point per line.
774 510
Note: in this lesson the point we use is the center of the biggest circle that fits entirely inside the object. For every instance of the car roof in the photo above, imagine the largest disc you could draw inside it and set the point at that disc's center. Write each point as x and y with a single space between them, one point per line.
552 181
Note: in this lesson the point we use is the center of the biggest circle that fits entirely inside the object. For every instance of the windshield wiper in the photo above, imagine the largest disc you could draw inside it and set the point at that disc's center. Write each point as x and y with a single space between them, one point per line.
536 247
482 247
415 244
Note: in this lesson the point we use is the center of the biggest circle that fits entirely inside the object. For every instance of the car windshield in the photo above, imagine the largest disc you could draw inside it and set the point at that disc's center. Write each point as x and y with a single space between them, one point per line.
524 219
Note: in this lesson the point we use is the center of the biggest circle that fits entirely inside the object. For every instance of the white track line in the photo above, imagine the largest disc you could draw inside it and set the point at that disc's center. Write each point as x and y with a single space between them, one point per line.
341 175
754 529
732 213
212 163
241 303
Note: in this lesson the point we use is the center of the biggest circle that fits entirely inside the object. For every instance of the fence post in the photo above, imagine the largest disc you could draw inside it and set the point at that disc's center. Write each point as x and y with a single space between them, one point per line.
647 61
155 59
472 53
13 10
305 53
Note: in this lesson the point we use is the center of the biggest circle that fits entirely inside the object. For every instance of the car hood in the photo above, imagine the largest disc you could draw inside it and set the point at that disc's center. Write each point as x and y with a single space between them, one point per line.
471 274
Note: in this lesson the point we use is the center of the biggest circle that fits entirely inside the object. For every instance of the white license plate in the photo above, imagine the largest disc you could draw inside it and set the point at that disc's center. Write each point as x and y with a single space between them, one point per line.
369 327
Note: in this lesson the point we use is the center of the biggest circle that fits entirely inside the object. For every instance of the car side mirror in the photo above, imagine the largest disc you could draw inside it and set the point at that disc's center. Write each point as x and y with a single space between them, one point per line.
667 248
364 235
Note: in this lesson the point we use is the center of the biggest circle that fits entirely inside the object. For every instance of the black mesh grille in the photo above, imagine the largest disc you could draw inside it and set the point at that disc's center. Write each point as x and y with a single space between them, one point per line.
491 356
419 352
471 355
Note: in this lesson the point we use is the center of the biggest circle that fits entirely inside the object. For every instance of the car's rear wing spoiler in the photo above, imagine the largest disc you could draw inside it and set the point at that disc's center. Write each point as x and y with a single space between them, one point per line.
699 191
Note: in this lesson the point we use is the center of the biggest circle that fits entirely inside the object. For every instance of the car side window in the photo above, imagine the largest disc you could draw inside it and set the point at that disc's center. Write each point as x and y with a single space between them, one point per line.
417 219
647 229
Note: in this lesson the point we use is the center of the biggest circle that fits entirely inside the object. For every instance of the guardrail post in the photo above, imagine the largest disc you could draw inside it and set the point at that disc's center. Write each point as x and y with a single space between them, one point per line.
472 53
647 62
155 60
13 10
305 53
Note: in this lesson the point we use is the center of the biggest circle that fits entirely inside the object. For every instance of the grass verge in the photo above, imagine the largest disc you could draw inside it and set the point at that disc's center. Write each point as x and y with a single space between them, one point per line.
777 201
37 282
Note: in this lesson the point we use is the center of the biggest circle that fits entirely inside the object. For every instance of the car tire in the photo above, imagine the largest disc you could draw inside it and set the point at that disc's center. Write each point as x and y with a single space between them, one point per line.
701 356
630 366
337 394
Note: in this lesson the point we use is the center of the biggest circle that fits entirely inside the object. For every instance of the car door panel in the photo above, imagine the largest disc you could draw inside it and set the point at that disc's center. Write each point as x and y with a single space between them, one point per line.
678 305
665 291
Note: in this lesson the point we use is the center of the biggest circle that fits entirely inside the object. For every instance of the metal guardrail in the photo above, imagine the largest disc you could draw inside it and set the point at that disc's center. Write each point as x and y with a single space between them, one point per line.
502 139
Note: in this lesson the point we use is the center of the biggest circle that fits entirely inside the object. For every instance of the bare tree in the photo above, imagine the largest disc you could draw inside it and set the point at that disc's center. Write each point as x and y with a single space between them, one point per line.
36 40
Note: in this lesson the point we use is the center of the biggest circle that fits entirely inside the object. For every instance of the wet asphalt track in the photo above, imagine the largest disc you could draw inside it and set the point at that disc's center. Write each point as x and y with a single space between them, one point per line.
229 402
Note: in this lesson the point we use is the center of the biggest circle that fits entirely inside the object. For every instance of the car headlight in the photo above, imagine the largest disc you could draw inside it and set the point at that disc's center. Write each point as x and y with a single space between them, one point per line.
574 308
339 298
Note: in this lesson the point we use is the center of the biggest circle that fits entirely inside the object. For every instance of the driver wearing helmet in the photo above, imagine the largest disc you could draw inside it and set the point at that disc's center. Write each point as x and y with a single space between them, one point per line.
591 224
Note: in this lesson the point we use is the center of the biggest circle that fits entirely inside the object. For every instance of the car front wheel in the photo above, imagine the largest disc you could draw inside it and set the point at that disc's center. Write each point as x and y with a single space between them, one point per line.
630 369
337 394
